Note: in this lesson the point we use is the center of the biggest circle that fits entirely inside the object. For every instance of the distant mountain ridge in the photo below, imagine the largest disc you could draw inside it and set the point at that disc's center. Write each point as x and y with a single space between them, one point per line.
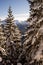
21 25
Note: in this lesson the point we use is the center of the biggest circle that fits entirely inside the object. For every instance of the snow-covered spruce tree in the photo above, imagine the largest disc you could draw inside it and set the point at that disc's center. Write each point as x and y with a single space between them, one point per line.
11 30
34 36
13 37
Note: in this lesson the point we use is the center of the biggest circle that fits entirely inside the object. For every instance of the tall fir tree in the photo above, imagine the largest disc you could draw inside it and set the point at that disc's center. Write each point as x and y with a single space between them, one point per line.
34 36
12 33
10 40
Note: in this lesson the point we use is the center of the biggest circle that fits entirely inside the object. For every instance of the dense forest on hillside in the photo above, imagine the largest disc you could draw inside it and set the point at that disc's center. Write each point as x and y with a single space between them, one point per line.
27 49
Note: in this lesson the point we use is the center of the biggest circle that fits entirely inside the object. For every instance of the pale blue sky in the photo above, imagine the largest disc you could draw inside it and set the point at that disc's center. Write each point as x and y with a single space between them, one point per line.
20 9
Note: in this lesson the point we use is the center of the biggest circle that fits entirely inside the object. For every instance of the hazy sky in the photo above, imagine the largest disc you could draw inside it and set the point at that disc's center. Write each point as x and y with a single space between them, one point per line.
20 9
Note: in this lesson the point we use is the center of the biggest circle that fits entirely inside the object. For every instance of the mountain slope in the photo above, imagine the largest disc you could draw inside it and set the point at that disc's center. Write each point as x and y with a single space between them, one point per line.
21 25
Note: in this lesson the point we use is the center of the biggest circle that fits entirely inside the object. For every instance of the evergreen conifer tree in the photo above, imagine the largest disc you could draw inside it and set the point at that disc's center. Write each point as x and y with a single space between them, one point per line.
13 37
34 36
11 30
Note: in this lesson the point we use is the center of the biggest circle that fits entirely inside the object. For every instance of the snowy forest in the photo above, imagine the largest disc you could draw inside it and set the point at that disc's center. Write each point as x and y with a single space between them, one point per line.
17 48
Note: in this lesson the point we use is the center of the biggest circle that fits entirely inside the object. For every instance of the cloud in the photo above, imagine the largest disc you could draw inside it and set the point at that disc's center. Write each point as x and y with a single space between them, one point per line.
22 17
3 17
19 15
